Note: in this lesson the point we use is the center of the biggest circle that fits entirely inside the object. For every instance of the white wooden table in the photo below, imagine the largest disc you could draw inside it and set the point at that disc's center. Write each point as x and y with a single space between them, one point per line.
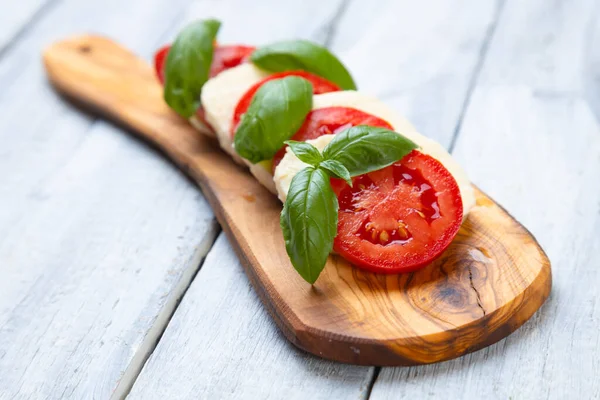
115 280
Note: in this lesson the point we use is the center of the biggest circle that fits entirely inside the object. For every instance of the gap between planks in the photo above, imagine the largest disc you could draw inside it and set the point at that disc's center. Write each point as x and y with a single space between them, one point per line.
163 320
331 30
164 317
27 25
475 77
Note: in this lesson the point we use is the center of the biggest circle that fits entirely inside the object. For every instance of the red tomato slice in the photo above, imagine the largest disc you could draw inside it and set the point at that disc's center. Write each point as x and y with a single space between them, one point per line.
225 57
400 218
330 120
320 85
159 62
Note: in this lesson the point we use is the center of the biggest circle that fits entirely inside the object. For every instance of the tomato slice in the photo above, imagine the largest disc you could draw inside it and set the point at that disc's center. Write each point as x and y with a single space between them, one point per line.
225 57
400 218
159 62
320 85
330 120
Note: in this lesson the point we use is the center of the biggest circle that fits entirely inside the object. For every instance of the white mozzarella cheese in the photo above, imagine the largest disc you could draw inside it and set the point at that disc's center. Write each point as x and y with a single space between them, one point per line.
290 165
220 96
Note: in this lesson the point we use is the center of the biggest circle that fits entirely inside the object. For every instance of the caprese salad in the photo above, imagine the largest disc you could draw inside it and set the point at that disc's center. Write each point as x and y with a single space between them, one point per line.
355 178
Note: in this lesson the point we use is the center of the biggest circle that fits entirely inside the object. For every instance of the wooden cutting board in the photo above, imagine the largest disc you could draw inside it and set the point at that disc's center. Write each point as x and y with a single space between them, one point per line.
490 281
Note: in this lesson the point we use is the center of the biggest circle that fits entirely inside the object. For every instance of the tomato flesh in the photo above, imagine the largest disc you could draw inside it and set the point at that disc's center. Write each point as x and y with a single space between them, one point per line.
330 120
320 86
224 57
400 218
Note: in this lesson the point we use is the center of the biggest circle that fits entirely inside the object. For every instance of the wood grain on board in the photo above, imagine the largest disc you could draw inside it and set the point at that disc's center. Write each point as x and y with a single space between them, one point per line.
489 282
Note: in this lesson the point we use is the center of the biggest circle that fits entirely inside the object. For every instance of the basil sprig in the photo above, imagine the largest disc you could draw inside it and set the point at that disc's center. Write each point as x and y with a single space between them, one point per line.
276 112
188 66
310 213
303 55
309 241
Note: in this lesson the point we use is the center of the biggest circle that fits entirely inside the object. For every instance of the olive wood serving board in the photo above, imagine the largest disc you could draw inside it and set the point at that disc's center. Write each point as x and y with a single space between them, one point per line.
492 278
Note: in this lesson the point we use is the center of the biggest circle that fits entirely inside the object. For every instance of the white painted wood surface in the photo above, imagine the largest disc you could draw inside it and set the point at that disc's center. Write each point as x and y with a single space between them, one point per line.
531 139
427 53
16 17
99 236
222 343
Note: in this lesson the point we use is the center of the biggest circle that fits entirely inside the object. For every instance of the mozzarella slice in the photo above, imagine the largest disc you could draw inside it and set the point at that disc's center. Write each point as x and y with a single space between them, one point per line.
290 165
220 96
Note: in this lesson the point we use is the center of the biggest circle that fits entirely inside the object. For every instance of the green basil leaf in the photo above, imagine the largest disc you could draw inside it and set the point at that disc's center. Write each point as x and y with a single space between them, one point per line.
303 55
188 66
337 170
362 149
276 112
309 222
306 152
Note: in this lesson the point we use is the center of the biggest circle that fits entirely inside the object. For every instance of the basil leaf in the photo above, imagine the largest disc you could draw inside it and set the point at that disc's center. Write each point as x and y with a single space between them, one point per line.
188 66
309 222
336 169
306 152
362 149
276 112
306 56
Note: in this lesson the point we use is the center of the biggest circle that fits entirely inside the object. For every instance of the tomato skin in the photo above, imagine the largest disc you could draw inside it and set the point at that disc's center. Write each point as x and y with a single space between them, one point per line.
330 120
227 57
160 57
400 218
320 86
224 58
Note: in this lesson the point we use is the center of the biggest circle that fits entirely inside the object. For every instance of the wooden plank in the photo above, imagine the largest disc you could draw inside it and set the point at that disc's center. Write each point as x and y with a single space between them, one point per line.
223 344
531 138
224 364
426 55
99 237
242 351
18 16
